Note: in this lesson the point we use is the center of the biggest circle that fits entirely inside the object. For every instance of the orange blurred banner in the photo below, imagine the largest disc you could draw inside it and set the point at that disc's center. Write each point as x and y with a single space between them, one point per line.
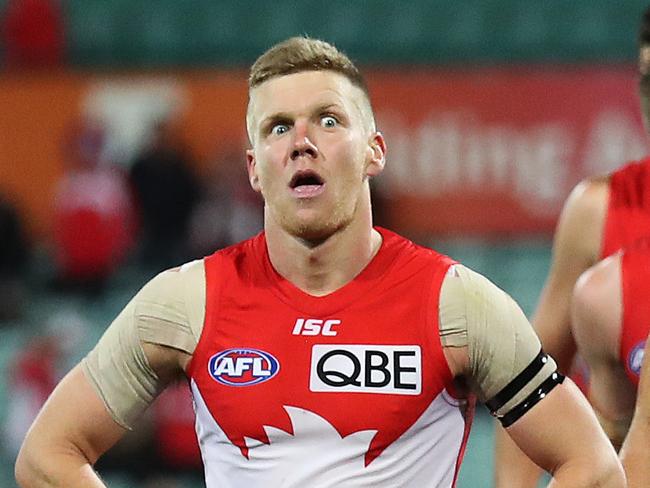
473 152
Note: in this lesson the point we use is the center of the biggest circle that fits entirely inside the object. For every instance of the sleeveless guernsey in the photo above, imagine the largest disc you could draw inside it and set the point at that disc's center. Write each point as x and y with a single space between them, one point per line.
348 389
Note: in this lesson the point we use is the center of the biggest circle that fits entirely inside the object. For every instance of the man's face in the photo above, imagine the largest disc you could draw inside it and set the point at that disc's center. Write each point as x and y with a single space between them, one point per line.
313 150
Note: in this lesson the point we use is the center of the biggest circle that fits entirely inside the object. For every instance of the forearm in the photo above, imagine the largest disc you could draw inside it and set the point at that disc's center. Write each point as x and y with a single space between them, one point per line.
561 434
513 469
49 469
587 473
635 455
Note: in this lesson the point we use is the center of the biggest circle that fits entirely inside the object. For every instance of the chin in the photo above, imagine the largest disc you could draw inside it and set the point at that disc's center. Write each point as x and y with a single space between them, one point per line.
313 231
317 231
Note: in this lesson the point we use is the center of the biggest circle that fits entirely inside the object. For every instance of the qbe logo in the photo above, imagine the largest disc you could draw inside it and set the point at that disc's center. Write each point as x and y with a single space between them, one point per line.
366 369
243 367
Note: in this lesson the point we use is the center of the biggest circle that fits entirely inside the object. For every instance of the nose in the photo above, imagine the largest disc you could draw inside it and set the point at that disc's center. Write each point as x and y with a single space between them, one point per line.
303 144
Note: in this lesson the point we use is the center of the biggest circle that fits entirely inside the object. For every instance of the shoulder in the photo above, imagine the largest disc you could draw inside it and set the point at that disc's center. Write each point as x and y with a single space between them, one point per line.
479 303
467 283
176 295
170 282
469 300
589 197
581 225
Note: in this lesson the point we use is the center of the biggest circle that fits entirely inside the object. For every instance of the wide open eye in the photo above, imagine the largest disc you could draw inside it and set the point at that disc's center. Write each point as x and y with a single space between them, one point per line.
328 121
279 129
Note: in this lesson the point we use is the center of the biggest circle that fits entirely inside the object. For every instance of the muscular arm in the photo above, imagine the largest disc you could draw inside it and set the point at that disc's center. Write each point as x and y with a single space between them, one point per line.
101 398
549 420
576 247
561 434
597 321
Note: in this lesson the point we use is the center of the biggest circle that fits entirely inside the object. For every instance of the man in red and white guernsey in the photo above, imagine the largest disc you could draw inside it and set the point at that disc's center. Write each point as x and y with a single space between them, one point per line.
596 300
323 352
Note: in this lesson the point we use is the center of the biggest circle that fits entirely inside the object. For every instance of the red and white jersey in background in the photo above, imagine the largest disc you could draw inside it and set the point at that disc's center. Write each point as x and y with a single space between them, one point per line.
628 227
627 224
349 389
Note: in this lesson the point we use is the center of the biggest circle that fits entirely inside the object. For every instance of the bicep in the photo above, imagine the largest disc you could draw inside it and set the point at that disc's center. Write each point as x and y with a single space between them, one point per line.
506 365
143 350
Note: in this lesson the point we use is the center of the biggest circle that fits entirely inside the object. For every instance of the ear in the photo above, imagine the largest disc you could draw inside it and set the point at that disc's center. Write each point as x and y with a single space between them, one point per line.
251 166
377 148
644 60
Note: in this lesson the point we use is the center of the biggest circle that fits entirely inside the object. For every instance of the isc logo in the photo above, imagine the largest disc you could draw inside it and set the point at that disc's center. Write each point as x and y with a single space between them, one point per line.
243 367
313 327
366 368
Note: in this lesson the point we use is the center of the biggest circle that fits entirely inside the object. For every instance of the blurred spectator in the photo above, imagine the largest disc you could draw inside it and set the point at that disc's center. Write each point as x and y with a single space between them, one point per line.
33 33
166 189
14 253
35 370
32 377
229 210
93 214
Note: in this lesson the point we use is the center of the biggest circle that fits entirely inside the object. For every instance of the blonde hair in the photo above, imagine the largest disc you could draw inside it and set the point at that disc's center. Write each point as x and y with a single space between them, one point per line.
298 54
303 54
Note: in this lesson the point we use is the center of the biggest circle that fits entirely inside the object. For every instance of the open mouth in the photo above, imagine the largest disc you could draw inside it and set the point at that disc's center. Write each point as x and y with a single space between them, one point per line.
305 178
306 183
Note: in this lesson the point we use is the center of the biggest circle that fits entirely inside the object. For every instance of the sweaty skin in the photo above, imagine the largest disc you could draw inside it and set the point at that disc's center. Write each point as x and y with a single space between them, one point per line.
170 309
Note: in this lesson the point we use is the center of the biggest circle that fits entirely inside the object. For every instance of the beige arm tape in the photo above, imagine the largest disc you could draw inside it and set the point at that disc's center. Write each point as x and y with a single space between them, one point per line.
476 314
169 311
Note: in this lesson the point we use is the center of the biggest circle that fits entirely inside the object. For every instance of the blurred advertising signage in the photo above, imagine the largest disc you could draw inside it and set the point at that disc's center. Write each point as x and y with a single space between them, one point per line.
496 152
480 151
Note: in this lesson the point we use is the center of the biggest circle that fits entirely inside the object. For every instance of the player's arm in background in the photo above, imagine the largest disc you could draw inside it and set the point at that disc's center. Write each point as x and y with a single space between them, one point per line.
545 414
597 312
635 452
576 247
103 396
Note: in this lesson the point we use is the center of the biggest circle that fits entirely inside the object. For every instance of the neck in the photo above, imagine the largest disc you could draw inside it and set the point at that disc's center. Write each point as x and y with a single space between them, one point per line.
323 267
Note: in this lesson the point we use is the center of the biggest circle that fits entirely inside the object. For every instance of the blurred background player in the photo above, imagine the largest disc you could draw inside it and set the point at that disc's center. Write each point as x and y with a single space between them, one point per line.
596 300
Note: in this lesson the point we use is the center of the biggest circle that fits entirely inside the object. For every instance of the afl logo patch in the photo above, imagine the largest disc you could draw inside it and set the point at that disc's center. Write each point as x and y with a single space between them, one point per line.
635 359
242 367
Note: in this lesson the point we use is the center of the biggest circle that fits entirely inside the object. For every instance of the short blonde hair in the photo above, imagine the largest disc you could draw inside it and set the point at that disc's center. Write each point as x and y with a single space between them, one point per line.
298 54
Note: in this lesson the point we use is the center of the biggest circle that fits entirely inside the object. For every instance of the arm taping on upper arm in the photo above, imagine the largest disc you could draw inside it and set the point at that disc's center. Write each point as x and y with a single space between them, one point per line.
118 368
505 365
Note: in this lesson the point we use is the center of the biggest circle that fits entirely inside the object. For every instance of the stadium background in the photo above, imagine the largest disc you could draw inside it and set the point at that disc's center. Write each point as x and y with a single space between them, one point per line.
492 111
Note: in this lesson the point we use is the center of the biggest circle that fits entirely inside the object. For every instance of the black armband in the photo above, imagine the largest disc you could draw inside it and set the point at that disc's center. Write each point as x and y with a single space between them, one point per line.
531 400
516 385
522 379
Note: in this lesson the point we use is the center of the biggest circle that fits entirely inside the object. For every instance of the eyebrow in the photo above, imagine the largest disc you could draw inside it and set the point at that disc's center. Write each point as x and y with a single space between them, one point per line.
282 116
